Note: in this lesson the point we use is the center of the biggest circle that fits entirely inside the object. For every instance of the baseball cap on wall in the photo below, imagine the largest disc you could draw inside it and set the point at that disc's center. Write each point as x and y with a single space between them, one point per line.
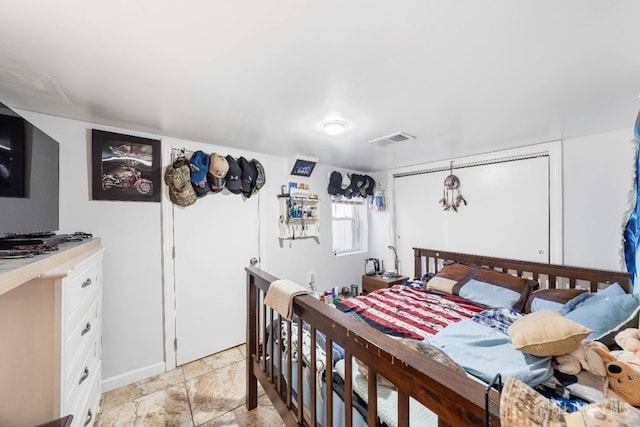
199 166
176 176
218 169
233 175
199 163
335 184
248 177
261 178
371 184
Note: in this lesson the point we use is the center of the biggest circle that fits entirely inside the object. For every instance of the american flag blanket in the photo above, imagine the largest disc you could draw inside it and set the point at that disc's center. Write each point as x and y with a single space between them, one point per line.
406 312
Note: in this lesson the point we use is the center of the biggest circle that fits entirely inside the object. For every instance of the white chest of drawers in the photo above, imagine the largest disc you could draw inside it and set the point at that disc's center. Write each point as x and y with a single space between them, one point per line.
50 330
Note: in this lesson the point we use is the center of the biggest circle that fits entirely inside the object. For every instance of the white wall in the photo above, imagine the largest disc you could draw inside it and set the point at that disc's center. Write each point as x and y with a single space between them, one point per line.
598 177
295 259
131 232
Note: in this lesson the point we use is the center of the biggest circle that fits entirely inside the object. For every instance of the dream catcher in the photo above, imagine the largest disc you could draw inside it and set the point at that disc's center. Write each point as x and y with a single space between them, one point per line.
451 196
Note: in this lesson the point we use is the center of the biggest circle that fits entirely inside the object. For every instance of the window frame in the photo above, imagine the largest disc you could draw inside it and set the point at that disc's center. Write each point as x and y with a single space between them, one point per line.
358 219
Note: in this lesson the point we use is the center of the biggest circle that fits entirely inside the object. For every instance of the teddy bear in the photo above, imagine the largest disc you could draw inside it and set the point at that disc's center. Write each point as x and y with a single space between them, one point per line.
623 368
629 342
584 357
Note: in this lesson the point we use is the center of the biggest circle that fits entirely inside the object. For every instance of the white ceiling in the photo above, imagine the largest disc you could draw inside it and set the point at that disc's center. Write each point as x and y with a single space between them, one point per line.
464 77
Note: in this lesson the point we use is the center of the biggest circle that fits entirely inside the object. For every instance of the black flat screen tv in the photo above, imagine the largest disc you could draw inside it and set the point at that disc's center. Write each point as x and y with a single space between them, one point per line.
29 177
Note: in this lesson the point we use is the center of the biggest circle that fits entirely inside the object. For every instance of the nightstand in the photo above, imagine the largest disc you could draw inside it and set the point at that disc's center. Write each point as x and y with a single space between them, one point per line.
373 283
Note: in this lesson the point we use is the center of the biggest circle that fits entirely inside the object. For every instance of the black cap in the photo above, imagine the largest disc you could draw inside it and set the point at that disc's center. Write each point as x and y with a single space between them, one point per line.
335 184
201 189
371 186
233 176
353 190
248 177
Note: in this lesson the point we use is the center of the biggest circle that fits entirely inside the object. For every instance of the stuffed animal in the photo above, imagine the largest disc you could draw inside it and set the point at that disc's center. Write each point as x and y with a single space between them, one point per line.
629 341
623 379
583 358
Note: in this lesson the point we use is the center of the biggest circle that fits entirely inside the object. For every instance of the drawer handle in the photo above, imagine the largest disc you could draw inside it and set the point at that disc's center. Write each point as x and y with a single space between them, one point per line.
86 329
86 283
84 376
89 418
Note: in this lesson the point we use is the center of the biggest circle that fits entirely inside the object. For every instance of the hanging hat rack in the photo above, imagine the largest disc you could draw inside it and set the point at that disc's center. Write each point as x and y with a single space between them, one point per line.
176 153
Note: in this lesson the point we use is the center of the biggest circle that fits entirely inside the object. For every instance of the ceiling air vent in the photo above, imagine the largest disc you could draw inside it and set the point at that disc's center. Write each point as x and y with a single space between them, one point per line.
391 139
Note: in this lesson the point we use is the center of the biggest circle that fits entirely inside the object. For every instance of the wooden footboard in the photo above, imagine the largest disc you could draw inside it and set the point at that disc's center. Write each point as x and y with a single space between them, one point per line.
458 400
455 398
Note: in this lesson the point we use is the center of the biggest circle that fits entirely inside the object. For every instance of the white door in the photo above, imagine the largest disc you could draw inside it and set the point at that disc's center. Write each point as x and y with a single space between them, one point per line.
214 240
507 214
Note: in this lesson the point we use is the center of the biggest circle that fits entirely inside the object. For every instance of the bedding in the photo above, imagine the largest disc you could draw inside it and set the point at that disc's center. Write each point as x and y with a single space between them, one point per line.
407 312
484 349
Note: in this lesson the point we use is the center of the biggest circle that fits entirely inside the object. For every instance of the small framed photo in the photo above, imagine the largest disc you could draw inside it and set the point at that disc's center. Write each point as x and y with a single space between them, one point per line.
303 167
125 167
12 149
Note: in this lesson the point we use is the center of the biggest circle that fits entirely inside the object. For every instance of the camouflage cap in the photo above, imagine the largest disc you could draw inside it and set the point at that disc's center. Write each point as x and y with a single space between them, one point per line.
181 191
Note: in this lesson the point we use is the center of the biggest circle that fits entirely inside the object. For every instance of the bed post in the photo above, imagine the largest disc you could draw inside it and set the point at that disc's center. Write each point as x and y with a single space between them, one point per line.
252 310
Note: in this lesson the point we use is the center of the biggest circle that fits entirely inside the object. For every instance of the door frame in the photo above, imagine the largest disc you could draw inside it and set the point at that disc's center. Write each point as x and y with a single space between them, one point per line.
168 276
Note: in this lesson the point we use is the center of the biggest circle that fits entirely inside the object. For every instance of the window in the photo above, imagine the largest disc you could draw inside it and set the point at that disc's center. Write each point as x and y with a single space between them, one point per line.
349 226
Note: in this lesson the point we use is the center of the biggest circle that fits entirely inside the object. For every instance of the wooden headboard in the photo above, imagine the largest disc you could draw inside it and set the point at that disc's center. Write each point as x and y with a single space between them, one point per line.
550 276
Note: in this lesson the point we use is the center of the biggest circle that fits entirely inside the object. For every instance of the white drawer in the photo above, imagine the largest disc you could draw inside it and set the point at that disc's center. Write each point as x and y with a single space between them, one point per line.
85 411
79 340
77 314
80 285
79 383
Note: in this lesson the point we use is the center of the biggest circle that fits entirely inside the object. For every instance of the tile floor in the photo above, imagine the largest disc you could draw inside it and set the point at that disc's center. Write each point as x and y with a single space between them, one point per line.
208 392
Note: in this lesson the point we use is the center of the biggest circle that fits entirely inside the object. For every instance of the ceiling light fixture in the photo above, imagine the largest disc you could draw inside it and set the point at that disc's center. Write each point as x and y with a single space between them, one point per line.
334 127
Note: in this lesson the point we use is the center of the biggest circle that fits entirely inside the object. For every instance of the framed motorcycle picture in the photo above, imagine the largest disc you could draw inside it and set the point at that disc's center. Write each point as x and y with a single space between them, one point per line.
125 167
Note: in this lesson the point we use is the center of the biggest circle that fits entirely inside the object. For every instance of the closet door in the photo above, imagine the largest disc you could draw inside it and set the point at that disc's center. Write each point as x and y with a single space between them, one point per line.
507 214
214 240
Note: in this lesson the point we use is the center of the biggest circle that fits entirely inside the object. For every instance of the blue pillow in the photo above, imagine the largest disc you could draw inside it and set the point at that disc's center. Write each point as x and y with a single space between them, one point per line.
581 300
601 313
539 304
613 290
489 294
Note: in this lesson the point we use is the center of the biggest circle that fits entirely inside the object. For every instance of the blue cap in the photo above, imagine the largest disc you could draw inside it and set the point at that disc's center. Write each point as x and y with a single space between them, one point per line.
199 163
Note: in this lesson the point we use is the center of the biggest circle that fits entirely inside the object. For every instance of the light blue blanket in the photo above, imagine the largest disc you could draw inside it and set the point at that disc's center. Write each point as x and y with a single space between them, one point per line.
485 352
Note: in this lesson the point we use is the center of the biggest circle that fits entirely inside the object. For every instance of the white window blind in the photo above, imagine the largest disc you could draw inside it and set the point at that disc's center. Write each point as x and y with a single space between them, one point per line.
347 218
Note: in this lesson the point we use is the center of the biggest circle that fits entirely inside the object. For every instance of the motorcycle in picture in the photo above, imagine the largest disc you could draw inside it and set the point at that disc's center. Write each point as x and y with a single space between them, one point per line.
127 178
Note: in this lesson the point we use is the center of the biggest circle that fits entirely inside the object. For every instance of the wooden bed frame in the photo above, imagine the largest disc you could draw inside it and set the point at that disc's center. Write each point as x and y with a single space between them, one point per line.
455 398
